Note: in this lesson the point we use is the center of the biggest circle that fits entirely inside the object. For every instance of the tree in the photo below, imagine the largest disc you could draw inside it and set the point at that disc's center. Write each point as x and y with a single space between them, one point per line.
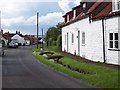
59 26
53 33
59 42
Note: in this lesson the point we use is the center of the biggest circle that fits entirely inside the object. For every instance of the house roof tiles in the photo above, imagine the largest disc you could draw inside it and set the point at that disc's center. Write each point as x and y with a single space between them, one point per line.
98 10
94 6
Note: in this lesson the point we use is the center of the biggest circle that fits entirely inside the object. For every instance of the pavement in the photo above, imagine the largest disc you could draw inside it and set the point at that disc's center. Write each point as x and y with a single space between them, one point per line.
21 70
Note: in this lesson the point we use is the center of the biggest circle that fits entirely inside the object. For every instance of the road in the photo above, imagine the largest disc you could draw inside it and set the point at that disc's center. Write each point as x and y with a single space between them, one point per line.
21 70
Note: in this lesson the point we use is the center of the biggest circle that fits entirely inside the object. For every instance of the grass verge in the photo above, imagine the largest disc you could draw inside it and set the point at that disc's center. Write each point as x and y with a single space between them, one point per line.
103 77
51 48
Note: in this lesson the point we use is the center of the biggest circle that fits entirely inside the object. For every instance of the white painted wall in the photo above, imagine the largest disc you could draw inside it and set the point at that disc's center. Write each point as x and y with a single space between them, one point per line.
94 41
111 26
93 48
119 40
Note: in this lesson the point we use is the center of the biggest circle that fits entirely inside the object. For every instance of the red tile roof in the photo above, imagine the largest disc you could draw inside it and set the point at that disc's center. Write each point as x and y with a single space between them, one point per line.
26 38
105 11
108 15
94 6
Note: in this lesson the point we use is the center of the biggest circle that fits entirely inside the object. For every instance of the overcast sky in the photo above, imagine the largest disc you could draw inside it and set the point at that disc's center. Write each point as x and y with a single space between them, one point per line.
21 14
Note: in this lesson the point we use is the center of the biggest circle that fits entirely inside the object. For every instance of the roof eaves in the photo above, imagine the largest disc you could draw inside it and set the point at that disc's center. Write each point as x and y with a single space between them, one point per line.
113 14
75 20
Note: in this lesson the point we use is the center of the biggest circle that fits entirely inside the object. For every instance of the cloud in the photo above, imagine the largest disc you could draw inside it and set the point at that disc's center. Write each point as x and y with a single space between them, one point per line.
77 2
64 5
13 21
29 1
12 9
31 20
49 19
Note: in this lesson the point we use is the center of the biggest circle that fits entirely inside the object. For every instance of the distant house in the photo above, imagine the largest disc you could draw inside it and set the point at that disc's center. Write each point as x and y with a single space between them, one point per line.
27 40
5 39
92 31
20 39
10 36
30 38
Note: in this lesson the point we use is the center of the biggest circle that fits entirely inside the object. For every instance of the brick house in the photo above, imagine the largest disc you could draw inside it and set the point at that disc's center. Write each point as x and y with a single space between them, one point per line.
30 38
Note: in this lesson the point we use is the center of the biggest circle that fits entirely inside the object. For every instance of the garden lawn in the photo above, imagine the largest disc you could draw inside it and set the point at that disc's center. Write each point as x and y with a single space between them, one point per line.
51 48
100 77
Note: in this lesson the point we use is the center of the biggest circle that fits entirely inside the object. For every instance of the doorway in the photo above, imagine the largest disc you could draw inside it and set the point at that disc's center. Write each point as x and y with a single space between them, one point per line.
78 42
67 42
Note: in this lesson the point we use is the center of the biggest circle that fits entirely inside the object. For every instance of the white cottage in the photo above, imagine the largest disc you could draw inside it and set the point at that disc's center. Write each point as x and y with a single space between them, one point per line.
92 31
19 38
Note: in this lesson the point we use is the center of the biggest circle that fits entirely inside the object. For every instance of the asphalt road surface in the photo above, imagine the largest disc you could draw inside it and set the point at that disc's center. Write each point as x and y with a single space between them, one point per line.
21 70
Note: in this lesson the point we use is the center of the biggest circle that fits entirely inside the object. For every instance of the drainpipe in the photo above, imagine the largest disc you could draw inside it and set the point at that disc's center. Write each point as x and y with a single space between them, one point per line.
103 30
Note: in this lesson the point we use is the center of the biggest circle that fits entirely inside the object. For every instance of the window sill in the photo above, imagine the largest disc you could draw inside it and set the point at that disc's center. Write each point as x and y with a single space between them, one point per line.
115 10
111 49
72 44
83 44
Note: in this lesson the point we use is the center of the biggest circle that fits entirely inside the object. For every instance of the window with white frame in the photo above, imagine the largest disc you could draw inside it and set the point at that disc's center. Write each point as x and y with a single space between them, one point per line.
83 38
72 38
115 5
113 40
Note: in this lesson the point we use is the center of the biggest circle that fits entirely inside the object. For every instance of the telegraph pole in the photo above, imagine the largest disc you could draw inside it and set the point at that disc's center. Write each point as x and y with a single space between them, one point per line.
37 27
42 37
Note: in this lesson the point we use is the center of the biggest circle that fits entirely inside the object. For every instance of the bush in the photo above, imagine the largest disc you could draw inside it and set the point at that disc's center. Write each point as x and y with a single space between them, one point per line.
50 41
59 42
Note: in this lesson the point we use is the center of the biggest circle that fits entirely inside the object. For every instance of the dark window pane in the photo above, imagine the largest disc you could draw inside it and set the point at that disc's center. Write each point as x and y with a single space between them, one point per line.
111 44
116 36
116 44
83 38
72 38
111 36
119 5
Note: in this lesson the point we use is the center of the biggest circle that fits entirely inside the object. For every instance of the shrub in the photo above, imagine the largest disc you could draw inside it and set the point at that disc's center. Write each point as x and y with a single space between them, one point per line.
59 42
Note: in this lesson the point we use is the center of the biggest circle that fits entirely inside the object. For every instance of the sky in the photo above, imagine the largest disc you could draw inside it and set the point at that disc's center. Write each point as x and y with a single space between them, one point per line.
20 15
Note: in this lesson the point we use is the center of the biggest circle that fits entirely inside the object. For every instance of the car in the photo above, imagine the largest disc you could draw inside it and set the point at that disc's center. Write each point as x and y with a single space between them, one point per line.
27 43
13 44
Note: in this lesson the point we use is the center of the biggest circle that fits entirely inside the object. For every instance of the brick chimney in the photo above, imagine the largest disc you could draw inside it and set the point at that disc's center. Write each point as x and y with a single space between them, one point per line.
16 32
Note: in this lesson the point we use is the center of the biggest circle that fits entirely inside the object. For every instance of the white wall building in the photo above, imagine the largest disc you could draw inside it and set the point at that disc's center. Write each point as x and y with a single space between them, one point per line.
93 34
19 38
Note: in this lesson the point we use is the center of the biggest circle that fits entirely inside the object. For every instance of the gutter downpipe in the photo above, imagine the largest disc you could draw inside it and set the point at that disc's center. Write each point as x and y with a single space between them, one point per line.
103 30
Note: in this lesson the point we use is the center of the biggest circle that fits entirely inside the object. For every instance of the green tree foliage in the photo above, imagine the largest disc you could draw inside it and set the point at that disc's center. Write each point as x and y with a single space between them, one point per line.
50 41
53 33
59 26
